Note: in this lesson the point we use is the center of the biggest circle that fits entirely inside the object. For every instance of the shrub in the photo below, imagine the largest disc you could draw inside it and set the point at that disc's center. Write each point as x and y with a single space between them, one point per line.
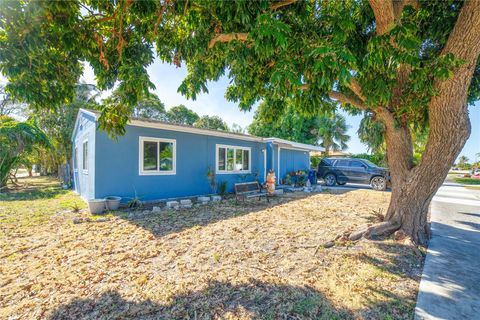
468 181
222 188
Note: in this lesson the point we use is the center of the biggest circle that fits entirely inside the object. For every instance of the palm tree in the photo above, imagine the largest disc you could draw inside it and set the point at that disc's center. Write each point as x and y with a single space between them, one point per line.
333 132
372 133
16 140
462 160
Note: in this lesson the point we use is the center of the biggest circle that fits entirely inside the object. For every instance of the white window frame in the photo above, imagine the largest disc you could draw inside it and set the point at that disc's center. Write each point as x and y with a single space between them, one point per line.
75 158
157 172
85 171
235 148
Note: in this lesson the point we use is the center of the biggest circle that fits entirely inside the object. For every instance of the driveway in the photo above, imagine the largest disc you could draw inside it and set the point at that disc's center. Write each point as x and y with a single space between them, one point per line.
450 285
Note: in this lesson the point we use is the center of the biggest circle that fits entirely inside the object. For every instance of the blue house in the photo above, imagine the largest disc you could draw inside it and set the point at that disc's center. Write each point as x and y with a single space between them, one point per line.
156 160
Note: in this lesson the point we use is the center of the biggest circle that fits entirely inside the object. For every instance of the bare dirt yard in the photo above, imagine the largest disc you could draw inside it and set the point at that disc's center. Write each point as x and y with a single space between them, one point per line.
250 260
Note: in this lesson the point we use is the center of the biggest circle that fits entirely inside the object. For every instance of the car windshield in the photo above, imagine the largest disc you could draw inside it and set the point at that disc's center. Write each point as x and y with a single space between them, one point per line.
369 163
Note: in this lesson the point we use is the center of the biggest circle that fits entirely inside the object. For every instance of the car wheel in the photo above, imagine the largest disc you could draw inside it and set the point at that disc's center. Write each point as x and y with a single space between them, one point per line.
378 183
330 179
341 183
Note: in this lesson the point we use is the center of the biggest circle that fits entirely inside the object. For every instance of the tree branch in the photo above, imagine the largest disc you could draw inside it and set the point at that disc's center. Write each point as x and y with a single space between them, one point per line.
240 36
355 87
343 98
398 6
281 4
227 37
384 15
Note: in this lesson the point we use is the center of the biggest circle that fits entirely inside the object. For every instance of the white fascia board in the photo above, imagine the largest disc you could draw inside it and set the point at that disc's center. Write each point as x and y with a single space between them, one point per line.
77 120
172 127
294 145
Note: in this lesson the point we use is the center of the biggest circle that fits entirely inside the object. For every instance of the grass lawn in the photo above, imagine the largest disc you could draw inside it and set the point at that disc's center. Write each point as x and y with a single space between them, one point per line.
219 261
467 181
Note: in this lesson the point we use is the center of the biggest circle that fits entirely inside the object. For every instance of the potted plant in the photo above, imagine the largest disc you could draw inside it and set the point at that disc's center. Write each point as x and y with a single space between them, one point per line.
96 206
112 202
288 180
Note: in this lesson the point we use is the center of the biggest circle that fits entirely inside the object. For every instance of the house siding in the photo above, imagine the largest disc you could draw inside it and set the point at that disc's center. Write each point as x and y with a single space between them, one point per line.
293 160
272 158
117 165
84 181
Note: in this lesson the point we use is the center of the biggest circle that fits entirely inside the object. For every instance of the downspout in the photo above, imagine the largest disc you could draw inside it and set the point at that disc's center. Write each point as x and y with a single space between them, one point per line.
264 152
278 166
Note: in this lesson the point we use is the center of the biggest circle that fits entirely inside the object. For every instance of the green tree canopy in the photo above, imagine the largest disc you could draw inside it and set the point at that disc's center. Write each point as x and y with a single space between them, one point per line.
58 126
211 122
412 63
16 140
290 124
181 115
237 128
150 107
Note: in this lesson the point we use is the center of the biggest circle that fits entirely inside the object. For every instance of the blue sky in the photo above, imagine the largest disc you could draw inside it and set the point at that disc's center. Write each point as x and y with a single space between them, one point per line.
167 79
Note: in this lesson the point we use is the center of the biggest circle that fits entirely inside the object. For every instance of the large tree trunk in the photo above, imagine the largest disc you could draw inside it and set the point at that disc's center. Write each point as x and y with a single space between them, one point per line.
449 127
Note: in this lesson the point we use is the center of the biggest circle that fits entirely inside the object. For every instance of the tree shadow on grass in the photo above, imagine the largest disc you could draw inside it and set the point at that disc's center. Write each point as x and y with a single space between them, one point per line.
219 300
402 260
173 221
33 188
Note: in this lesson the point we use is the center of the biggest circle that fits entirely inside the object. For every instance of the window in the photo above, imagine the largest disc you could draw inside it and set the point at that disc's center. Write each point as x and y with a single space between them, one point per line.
341 163
232 159
357 164
157 156
325 162
75 159
85 156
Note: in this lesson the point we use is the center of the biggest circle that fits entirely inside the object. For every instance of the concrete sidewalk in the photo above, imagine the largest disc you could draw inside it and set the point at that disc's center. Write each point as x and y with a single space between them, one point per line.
450 285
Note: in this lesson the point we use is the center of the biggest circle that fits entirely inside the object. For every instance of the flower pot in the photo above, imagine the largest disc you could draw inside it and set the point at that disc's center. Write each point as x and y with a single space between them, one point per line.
96 206
113 202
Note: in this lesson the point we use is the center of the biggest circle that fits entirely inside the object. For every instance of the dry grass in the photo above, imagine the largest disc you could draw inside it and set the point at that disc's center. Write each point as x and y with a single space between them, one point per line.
221 261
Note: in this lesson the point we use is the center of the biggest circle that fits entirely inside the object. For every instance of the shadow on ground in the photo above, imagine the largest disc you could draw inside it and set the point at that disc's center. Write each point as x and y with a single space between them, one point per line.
33 188
449 288
219 300
173 221
402 260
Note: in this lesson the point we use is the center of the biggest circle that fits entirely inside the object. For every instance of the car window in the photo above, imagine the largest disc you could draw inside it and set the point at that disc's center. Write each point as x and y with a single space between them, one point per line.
356 164
371 164
326 162
341 163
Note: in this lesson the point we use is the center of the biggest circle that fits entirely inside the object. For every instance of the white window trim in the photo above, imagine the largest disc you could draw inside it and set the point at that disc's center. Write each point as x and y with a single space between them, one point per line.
218 171
85 171
141 172
75 158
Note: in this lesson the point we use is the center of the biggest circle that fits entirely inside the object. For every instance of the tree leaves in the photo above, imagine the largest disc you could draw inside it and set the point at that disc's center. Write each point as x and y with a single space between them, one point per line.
298 52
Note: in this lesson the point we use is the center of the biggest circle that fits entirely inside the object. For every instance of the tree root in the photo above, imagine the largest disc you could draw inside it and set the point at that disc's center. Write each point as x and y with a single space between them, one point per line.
380 229
367 231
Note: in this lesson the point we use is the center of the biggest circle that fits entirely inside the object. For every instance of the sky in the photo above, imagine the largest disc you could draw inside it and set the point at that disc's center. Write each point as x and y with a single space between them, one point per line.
167 79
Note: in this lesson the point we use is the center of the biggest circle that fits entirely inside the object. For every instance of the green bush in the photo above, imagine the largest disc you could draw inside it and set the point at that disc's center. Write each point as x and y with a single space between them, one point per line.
467 181
315 161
